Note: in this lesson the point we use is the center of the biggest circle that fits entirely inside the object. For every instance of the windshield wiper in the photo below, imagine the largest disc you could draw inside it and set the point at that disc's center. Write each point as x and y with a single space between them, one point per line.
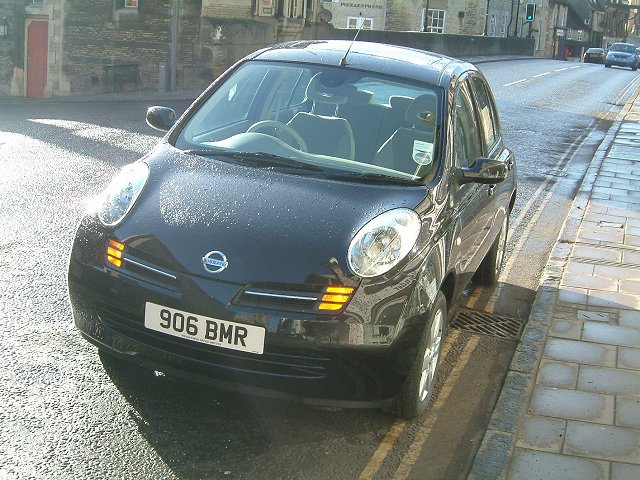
258 159
374 178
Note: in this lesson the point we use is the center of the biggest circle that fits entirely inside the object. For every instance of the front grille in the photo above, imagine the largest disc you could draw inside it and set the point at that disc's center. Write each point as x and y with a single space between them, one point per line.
316 299
298 298
277 361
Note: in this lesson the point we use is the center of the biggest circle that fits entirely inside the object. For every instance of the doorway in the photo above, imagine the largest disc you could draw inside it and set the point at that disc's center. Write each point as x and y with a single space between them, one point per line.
37 58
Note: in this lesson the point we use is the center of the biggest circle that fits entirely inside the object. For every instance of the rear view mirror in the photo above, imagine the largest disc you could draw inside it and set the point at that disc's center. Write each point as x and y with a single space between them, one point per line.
483 170
161 118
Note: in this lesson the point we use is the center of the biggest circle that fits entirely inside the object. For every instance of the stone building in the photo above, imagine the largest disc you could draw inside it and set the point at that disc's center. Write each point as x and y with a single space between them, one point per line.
365 14
31 48
458 17
58 47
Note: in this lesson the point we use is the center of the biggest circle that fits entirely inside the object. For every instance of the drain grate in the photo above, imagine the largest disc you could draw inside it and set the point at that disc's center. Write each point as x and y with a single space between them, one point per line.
487 324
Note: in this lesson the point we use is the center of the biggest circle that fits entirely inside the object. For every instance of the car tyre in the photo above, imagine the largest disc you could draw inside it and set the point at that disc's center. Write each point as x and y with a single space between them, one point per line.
489 270
606 65
416 393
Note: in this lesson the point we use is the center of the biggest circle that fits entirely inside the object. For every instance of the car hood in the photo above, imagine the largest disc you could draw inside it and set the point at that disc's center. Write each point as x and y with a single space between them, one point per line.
272 227
622 54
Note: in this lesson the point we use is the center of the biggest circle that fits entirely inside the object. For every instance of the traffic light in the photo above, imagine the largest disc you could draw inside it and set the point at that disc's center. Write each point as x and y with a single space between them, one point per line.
530 12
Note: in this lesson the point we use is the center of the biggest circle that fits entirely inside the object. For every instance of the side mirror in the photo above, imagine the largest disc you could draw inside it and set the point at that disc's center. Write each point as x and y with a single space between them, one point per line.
483 170
161 118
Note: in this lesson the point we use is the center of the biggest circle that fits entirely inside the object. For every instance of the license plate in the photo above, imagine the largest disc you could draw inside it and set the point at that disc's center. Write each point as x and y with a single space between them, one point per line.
198 328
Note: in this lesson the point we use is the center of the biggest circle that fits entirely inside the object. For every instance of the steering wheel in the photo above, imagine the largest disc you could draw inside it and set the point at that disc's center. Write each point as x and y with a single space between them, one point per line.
283 127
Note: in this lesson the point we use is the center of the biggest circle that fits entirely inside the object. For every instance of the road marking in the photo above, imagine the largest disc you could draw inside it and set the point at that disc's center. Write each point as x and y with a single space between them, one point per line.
577 66
383 450
541 74
513 83
378 457
561 69
431 416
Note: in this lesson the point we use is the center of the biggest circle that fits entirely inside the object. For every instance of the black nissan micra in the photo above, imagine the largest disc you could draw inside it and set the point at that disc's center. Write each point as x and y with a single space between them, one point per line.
302 230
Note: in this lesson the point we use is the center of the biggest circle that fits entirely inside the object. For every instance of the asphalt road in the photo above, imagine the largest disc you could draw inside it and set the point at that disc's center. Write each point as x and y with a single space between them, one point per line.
65 414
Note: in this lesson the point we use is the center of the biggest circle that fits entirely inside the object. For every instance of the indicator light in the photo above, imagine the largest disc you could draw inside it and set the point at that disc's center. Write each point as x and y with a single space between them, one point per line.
335 298
114 253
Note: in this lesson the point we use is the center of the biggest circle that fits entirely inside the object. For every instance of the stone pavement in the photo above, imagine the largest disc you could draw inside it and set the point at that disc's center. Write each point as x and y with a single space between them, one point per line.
570 406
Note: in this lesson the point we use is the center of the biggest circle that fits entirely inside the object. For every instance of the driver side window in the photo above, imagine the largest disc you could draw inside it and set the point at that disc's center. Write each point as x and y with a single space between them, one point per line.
467 142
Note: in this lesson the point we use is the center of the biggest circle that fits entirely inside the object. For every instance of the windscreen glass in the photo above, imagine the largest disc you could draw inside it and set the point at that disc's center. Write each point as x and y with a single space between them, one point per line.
337 119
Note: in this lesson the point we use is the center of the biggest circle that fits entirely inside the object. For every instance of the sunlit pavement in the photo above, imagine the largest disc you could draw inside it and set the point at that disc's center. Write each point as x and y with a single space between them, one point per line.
570 406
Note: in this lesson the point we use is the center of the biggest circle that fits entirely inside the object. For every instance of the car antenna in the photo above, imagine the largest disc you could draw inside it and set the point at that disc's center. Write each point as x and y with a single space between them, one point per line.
343 62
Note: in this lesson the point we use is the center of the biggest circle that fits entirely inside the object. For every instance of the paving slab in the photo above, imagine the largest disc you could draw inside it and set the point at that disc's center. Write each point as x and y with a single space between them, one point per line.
606 442
611 334
542 433
535 465
558 374
628 412
629 358
580 352
572 404
611 381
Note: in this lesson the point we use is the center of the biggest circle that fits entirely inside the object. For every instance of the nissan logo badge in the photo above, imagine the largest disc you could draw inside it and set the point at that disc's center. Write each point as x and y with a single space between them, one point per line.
214 262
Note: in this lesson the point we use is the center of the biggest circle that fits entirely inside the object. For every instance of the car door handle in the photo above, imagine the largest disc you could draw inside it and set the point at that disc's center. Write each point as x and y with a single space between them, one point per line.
491 190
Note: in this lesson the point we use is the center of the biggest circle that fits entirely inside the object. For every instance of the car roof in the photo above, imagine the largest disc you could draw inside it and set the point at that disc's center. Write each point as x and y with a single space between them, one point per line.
395 60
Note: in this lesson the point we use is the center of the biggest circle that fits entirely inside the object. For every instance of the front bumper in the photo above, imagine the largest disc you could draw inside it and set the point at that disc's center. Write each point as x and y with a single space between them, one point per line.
621 61
347 360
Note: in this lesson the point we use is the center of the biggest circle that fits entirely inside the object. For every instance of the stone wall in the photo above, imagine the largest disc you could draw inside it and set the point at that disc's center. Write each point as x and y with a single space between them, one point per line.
452 45
99 39
8 46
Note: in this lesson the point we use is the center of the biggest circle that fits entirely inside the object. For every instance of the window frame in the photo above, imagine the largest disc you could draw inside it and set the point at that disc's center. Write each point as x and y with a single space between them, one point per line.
464 89
440 20
476 82
360 23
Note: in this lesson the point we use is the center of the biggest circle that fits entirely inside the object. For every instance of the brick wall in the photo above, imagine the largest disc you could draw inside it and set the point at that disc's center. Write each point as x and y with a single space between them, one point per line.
227 8
99 37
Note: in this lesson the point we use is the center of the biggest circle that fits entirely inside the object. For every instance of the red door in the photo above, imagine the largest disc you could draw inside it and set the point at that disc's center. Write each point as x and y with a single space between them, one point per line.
37 47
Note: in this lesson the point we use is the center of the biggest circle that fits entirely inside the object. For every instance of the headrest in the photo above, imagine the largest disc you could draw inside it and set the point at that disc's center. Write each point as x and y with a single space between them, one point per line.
360 97
422 110
398 102
322 92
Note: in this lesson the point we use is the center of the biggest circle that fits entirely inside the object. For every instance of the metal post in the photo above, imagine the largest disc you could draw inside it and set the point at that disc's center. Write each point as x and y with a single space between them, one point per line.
174 44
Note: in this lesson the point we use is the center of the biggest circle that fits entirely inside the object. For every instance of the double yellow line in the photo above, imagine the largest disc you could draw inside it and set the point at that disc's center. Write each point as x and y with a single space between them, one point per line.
426 422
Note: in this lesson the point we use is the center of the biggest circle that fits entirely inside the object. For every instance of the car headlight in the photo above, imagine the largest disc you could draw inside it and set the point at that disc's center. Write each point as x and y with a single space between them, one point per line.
118 198
383 242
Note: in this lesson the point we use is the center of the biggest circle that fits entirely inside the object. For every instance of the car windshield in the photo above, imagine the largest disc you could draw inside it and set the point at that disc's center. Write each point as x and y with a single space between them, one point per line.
622 47
340 120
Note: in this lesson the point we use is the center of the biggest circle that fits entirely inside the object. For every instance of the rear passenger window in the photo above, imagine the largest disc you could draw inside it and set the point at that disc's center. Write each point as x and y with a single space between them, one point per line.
486 110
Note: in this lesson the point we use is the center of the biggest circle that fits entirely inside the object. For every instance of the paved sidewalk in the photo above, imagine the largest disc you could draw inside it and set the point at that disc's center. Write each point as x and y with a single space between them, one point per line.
570 406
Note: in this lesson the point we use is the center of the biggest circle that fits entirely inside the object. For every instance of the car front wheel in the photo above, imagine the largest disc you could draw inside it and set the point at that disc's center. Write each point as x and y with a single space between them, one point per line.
418 387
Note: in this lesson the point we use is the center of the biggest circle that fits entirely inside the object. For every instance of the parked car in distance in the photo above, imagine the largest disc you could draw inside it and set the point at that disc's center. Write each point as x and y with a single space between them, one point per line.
594 55
304 228
622 55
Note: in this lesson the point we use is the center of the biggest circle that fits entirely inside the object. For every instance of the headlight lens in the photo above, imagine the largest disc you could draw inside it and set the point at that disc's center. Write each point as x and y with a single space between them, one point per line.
118 198
383 242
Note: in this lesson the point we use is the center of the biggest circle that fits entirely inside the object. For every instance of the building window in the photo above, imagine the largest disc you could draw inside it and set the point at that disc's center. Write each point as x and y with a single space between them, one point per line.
435 21
128 5
502 31
492 26
366 23
580 35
